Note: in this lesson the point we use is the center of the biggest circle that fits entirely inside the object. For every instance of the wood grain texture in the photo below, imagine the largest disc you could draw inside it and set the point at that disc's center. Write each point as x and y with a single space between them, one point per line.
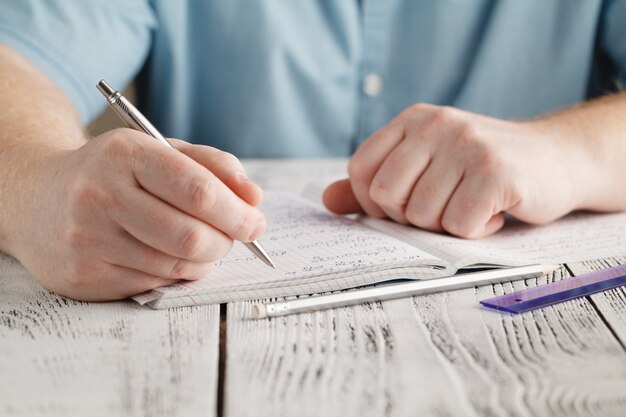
436 355
612 303
60 357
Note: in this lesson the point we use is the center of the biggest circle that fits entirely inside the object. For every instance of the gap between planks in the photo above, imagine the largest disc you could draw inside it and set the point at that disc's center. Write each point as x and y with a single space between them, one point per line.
221 357
610 305
432 355
599 312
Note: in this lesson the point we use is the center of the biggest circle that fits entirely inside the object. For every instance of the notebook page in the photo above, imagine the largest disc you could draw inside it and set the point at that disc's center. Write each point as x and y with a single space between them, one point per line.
308 244
337 282
577 237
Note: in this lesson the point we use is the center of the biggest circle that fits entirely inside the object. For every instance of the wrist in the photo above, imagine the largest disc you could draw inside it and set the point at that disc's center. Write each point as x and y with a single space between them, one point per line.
584 173
26 173
571 162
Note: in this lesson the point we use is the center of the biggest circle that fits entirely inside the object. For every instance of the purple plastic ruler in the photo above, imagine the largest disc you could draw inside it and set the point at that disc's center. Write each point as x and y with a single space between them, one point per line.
557 292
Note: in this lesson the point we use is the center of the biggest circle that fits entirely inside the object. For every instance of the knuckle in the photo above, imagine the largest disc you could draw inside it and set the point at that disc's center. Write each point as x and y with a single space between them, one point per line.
395 164
229 159
457 227
444 115
415 216
424 192
190 243
119 145
453 226
468 134
421 217
79 191
86 192
387 198
360 171
490 163
181 269
203 195
377 193
356 169
419 108
415 110
76 236
178 167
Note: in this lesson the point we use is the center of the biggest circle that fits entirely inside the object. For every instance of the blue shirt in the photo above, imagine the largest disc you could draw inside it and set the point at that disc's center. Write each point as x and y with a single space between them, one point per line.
272 78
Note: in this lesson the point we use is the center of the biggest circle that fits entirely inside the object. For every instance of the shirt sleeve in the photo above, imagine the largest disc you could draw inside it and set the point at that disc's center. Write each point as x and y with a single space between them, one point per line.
613 34
77 43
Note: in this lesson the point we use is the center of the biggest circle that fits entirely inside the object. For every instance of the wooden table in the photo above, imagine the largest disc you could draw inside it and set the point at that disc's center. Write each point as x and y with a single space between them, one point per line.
437 355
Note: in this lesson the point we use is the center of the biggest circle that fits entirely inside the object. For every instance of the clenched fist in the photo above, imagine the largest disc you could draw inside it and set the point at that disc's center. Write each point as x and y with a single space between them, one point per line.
444 169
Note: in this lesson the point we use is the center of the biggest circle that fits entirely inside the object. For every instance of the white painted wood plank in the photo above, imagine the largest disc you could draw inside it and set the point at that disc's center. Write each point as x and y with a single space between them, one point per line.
60 357
611 303
435 355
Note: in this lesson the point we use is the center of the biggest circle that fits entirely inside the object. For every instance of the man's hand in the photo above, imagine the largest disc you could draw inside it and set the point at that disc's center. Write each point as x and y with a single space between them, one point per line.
444 169
114 216
124 214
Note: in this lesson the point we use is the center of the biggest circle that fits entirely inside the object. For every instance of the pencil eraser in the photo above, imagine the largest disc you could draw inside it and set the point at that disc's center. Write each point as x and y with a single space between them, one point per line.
259 311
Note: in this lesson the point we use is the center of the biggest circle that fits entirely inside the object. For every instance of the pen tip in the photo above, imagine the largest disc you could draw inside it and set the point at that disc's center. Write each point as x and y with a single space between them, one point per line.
268 261
258 250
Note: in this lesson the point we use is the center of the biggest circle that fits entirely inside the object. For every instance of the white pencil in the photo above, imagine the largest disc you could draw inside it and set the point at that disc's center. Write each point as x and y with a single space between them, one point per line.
405 289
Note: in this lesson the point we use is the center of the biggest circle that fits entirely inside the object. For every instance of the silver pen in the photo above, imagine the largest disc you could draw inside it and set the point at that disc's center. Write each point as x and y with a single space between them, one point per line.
405 289
135 120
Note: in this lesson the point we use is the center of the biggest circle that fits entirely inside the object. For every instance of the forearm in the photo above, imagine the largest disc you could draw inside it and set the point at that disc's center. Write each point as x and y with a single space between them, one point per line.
597 129
36 121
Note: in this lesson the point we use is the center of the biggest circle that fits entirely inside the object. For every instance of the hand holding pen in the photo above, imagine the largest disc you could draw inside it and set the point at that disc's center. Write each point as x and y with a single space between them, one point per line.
120 214
135 120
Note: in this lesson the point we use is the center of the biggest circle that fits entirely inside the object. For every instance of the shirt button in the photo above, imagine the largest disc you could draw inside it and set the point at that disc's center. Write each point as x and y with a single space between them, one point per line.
372 85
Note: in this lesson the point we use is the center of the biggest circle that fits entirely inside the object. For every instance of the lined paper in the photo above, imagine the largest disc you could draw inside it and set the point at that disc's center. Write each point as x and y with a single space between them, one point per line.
316 251
313 250
577 237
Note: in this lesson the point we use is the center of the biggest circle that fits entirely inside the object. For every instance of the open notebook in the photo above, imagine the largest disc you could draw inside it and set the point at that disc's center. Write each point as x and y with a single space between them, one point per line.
316 251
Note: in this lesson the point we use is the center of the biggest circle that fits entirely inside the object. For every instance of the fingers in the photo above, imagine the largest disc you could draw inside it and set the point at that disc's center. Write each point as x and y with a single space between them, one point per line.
366 161
119 282
190 187
493 225
431 194
392 185
160 226
436 168
474 210
340 199
441 199
225 166
126 251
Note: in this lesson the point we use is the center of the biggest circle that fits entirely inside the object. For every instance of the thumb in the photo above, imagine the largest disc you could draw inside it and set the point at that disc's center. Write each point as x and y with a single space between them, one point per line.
340 199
